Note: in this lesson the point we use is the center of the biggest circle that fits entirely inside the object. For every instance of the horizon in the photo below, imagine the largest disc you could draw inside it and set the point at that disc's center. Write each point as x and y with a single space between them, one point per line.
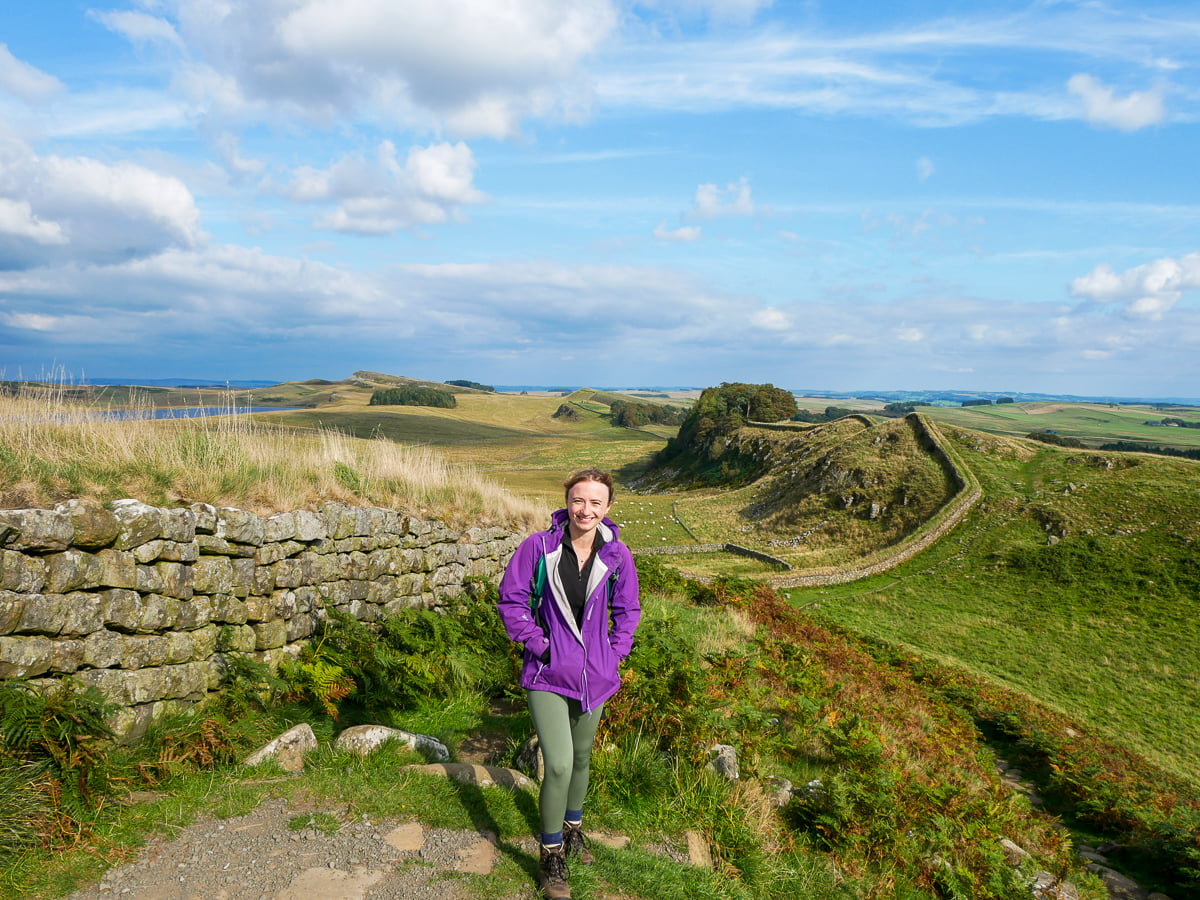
884 394
606 191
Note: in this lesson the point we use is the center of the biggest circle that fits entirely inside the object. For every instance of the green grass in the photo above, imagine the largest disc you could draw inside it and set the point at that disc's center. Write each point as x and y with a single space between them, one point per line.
1092 423
1100 625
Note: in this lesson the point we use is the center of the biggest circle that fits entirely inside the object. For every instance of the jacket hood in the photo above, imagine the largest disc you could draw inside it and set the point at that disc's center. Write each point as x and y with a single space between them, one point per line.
609 530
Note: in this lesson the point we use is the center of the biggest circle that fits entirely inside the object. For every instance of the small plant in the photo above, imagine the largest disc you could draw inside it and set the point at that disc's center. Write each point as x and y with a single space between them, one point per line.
323 822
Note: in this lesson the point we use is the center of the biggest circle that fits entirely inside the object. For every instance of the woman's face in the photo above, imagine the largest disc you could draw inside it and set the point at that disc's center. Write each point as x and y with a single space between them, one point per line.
587 505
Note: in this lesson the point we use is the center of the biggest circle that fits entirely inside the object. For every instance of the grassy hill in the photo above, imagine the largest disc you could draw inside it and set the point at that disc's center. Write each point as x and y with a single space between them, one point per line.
1073 582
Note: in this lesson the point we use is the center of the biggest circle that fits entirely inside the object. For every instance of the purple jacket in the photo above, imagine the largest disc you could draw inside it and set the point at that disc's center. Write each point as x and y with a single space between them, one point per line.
583 660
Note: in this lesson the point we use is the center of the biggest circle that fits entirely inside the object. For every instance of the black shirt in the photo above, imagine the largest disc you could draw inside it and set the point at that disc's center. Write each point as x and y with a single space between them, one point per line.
574 579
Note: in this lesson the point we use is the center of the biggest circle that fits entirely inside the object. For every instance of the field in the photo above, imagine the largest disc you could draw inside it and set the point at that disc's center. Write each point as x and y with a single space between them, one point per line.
1074 580
1094 424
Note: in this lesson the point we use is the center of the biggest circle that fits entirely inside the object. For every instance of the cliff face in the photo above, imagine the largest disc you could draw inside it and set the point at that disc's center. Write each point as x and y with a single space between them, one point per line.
145 603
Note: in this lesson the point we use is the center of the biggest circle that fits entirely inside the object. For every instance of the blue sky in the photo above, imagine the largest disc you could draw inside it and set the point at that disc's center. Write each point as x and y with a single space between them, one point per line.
986 196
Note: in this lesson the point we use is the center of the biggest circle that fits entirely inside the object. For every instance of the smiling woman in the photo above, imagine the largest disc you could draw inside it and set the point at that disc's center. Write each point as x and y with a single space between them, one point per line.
570 597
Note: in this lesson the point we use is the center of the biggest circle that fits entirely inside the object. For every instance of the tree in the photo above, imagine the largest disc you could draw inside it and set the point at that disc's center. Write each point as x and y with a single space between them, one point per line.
413 395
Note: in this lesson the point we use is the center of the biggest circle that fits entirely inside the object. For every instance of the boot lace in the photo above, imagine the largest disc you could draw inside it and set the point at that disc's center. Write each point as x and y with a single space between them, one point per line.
573 840
554 866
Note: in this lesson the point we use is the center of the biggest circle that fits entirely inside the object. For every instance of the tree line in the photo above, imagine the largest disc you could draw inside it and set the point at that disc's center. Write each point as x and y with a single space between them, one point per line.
413 395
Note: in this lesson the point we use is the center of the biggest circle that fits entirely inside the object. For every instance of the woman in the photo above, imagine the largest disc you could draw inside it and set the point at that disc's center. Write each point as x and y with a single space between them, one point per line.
570 595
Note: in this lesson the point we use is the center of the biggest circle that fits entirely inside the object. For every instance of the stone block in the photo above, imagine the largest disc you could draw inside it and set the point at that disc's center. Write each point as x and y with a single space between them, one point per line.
206 517
212 575
179 525
149 580
12 607
180 647
41 614
121 610
334 593
82 613
179 580
416 561
204 642
215 545
103 649
38 530
148 552
158 613
448 576
72 570
143 651
240 527
403 603
243 576
283 604
382 590
195 613
138 521
66 656
273 552
269 635
339 520
236 639
228 608
19 572
299 627
264 580
358 590
307 599
179 552
118 569
355 567
25 657
260 609
94 526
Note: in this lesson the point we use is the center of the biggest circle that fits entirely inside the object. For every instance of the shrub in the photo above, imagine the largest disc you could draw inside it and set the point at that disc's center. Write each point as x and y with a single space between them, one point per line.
413 395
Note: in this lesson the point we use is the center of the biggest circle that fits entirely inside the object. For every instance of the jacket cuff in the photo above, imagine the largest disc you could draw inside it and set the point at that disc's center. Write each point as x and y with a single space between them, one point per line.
538 645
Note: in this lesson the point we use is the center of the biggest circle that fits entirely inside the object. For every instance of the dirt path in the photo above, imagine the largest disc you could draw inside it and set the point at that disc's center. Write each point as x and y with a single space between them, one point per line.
257 857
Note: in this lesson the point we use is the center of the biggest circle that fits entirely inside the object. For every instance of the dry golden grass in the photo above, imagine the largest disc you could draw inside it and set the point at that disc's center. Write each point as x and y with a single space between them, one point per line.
53 448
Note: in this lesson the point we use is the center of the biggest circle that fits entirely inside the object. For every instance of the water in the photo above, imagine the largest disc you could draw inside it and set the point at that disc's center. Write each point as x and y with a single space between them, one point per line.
133 415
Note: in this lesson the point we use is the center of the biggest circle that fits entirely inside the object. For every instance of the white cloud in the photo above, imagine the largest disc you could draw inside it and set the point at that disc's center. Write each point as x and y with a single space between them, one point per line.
685 233
139 28
925 168
1147 291
717 10
910 335
24 80
1102 106
17 219
231 155
771 319
74 209
380 195
474 67
732 200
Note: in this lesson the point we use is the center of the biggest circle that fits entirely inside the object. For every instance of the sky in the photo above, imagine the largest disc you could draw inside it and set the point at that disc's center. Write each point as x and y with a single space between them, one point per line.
837 196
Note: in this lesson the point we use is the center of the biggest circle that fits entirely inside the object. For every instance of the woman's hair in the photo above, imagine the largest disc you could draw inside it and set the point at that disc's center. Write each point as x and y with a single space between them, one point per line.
590 475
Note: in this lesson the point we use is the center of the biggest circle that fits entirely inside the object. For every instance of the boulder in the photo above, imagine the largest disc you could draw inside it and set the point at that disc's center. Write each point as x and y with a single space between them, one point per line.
287 750
722 759
362 739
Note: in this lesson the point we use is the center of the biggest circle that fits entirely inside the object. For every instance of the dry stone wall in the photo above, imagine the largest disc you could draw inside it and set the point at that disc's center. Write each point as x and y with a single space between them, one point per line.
145 602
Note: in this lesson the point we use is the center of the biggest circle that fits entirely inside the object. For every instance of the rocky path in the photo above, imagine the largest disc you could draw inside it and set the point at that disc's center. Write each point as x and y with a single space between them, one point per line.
258 857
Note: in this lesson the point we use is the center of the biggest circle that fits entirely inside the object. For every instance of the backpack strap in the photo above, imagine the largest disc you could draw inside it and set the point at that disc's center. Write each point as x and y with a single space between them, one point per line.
537 584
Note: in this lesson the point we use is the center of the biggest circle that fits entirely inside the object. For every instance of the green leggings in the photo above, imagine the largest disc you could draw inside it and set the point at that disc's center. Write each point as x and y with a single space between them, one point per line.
565 734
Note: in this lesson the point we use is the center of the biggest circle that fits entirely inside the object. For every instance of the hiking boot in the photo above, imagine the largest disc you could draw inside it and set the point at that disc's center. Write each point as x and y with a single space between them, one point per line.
552 874
575 844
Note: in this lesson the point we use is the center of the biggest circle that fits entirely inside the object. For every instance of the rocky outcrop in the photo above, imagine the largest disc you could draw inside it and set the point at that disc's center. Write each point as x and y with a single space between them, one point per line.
145 603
